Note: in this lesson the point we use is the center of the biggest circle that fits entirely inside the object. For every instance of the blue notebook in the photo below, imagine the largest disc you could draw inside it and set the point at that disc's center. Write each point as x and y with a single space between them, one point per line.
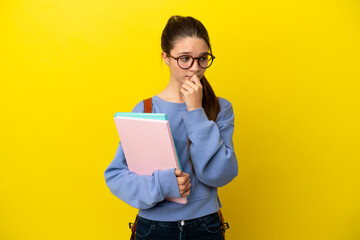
153 116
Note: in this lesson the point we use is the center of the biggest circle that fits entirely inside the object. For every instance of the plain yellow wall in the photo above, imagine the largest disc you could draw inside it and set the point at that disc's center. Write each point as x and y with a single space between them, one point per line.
290 68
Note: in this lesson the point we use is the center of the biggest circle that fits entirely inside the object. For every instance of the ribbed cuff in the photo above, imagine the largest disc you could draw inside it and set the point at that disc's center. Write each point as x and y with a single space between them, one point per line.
168 183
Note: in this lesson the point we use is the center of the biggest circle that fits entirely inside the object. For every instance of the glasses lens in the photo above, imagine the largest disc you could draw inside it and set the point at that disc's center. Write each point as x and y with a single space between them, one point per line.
205 61
185 61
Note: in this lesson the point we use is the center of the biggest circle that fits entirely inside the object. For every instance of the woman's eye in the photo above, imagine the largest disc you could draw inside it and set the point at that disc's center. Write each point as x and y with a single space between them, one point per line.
204 58
184 58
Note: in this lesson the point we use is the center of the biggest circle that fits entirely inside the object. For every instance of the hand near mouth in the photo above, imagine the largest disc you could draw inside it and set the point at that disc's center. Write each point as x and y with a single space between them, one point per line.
192 90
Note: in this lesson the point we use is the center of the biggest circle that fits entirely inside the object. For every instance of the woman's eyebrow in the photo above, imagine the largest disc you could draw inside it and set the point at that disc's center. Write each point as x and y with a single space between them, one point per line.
191 52
184 52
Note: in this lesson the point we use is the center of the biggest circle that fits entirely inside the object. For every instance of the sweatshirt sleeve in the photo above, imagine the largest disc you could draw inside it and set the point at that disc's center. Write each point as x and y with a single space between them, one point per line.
212 149
139 191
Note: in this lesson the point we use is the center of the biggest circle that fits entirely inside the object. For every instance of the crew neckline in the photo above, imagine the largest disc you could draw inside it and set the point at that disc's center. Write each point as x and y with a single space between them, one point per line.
170 105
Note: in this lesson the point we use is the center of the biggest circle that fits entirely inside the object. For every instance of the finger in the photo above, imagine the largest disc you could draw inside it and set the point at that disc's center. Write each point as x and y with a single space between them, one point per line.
185 194
188 184
191 83
178 173
191 80
181 180
195 85
188 90
188 87
184 184
188 187
187 177
195 79
184 179
184 189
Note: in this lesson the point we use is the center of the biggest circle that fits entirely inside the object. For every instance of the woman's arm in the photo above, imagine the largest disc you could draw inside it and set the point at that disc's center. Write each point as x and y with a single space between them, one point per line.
139 191
212 149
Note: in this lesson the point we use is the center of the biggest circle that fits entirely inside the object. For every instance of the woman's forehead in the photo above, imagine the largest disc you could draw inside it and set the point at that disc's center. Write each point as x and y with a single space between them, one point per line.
190 45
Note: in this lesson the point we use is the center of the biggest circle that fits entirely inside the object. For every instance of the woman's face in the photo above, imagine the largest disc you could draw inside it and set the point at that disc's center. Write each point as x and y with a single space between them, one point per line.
191 46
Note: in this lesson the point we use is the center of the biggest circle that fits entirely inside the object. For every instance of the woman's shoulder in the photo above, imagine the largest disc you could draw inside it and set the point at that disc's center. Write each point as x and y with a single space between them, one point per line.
226 113
224 103
139 107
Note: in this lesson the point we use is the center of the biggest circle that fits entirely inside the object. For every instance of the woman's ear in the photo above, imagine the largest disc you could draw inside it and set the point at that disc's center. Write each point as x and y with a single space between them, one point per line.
165 58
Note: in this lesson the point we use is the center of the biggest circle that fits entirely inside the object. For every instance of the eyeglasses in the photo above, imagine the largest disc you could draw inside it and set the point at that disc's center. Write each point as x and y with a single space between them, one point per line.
186 61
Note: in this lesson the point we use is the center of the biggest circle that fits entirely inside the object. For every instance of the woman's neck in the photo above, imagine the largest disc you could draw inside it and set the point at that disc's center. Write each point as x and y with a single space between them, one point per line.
172 92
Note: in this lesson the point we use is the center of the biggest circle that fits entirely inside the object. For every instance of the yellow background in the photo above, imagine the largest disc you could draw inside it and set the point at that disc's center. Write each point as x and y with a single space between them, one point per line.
290 68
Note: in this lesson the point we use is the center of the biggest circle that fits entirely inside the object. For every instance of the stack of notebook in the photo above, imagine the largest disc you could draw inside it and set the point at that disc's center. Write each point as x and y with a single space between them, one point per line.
147 143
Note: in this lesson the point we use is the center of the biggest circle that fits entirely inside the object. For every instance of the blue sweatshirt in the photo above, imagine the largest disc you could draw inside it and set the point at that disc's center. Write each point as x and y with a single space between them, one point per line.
213 157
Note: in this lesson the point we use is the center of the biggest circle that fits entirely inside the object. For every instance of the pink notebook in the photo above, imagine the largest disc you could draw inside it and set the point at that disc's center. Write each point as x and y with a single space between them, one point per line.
148 146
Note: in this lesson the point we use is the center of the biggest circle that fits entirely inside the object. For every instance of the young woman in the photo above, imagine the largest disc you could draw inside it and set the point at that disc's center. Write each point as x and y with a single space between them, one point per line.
202 126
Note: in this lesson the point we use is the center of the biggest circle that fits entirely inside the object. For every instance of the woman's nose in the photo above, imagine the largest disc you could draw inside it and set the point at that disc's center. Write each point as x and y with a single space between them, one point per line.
195 67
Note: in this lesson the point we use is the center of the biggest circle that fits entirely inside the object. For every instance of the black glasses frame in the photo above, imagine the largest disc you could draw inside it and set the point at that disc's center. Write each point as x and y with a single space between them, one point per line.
193 60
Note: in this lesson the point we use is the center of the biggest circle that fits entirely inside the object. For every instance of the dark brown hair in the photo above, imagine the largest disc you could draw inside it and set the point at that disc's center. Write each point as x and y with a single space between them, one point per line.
179 27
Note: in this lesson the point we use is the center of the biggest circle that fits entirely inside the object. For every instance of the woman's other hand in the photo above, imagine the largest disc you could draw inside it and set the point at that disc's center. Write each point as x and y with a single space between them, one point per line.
183 180
192 90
